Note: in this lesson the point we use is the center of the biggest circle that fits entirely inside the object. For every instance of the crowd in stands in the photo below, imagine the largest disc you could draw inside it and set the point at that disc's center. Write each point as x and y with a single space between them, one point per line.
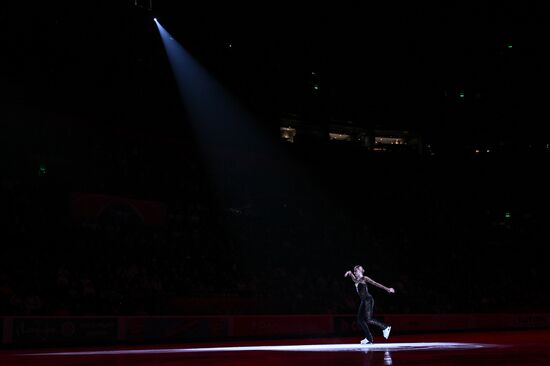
449 239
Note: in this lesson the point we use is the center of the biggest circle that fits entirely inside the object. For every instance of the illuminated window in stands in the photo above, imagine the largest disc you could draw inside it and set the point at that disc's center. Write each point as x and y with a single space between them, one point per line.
339 136
389 141
288 133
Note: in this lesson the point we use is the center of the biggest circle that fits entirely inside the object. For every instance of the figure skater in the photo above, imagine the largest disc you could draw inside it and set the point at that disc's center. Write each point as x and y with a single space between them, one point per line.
365 312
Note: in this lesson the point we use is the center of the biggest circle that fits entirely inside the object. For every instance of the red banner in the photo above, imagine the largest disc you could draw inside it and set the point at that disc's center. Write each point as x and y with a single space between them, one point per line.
92 208
284 326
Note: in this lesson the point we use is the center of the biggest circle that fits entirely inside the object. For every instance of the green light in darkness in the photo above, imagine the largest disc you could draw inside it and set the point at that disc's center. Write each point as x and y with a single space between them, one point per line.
42 170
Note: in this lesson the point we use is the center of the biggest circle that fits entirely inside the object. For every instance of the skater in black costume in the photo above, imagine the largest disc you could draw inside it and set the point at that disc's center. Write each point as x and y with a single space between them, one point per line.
365 312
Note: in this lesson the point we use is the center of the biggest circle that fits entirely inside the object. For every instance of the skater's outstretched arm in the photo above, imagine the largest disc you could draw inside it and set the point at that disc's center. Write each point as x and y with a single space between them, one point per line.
391 290
358 277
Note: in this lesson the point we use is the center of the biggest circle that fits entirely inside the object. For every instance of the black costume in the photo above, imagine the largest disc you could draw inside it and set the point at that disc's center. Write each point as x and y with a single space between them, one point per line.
364 315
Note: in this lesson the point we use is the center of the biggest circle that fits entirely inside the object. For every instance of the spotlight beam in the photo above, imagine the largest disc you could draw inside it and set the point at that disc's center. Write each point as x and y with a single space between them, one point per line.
237 151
